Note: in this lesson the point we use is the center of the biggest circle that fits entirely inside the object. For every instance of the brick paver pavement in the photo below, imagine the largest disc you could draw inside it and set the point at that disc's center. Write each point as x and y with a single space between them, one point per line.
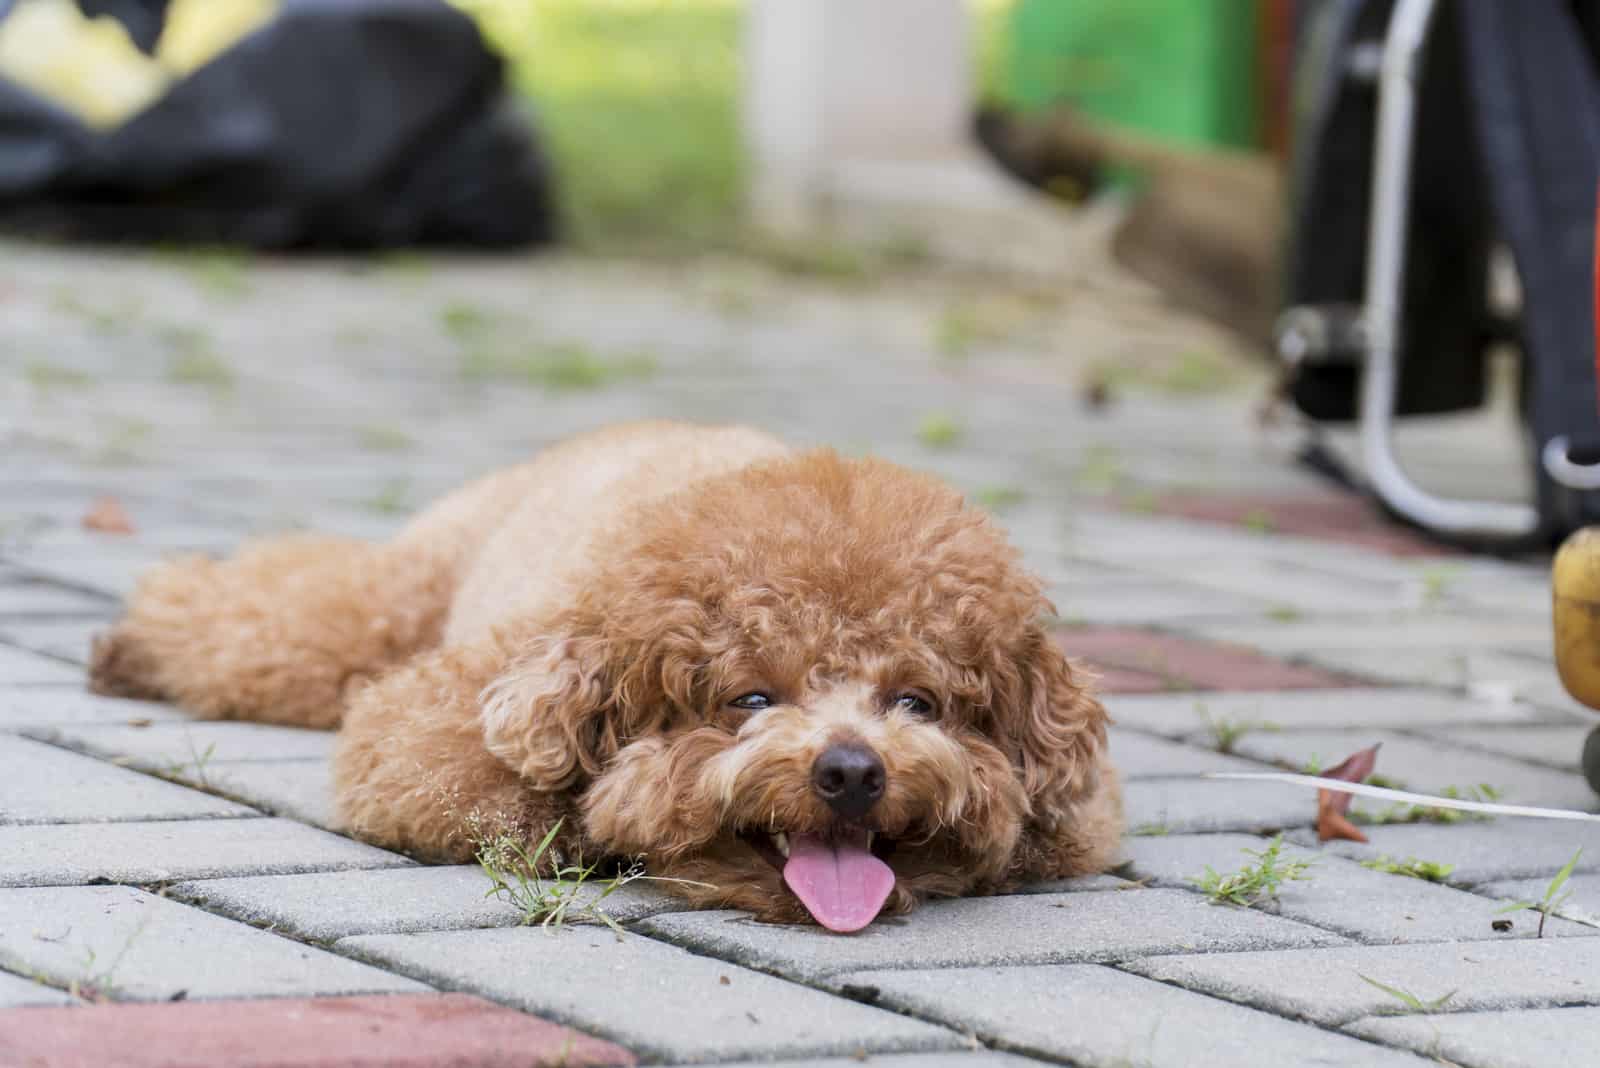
1228 601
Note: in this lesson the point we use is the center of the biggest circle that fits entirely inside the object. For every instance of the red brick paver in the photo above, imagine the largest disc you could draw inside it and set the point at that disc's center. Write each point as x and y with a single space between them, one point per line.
1123 680
1342 517
1131 660
410 1031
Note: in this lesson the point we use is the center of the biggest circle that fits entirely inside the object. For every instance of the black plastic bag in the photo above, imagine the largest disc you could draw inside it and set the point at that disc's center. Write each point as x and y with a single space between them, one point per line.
339 123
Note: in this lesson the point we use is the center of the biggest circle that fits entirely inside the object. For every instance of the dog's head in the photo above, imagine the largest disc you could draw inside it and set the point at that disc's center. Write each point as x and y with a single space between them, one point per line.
819 685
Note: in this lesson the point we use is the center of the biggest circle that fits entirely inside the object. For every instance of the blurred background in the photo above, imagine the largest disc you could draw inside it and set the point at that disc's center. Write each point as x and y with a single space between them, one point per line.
308 263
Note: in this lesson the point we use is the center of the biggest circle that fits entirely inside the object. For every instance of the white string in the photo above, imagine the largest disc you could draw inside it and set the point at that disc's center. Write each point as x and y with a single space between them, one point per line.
1339 786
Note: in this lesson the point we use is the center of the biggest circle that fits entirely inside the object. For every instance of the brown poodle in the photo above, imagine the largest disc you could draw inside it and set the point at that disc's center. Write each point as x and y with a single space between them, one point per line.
808 685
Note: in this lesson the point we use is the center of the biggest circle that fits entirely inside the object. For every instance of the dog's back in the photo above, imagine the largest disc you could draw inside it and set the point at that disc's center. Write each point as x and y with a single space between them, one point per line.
520 535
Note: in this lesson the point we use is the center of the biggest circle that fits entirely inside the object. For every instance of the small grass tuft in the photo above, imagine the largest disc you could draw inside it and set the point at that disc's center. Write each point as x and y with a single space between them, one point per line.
1283 613
558 368
1436 582
968 325
44 376
1196 372
1143 501
105 321
220 272
200 369
1226 731
392 498
1428 870
1100 471
1407 812
193 768
379 438
193 362
1260 521
1254 884
822 259
939 430
1412 1002
552 901
1553 897
999 498
405 265
559 898
124 442
464 322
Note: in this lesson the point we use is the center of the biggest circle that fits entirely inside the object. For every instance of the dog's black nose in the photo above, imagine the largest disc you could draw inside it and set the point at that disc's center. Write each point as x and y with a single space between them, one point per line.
849 777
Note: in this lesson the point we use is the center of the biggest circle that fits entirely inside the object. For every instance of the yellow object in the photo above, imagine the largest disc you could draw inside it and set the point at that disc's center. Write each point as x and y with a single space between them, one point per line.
1575 583
197 31
88 66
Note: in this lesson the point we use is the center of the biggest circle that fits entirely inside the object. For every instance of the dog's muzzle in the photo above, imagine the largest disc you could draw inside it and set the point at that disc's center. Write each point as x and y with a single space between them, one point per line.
850 777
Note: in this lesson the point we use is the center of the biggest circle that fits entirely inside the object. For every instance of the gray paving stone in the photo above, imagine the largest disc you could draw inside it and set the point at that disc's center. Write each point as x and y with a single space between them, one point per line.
332 905
1133 541
1113 602
140 947
1200 806
64 855
183 747
1089 1014
984 1058
103 570
67 639
1527 1038
1582 905
16 992
1183 716
656 999
1555 747
1326 986
1019 929
299 789
159 529
44 784
1082 884
1452 633
1285 584
1340 895
1425 765
1489 676
35 709
1492 851
1144 756
18 667
25 598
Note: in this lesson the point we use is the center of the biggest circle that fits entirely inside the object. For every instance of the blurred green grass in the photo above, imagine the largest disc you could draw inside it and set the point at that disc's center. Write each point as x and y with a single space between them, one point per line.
638 103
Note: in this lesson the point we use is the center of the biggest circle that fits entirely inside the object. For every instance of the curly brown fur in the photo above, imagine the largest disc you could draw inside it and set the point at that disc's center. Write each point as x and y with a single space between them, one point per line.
566 640
279 633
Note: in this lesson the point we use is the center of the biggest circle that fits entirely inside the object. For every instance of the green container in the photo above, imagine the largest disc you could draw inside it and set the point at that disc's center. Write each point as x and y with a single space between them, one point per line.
1181 69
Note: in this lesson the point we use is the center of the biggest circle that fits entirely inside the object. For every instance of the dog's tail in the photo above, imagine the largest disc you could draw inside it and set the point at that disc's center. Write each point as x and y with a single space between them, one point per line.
281 633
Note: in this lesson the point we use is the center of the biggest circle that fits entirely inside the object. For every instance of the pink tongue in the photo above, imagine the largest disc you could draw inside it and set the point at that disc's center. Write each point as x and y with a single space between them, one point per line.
841 884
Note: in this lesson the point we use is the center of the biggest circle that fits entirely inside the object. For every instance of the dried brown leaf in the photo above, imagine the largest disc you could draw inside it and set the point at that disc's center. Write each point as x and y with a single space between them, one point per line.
107 516
1331 820
1353 768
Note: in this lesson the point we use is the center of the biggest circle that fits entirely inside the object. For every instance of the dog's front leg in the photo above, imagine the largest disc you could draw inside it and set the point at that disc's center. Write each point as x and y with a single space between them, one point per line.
1084 838
412 772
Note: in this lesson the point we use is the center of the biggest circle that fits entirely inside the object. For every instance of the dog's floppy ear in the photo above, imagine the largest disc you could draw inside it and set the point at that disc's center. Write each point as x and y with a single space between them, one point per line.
545 715
582 688
1057 728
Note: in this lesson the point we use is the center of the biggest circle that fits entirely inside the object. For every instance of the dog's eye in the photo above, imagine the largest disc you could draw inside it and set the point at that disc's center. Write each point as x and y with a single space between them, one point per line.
752 702
910 702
